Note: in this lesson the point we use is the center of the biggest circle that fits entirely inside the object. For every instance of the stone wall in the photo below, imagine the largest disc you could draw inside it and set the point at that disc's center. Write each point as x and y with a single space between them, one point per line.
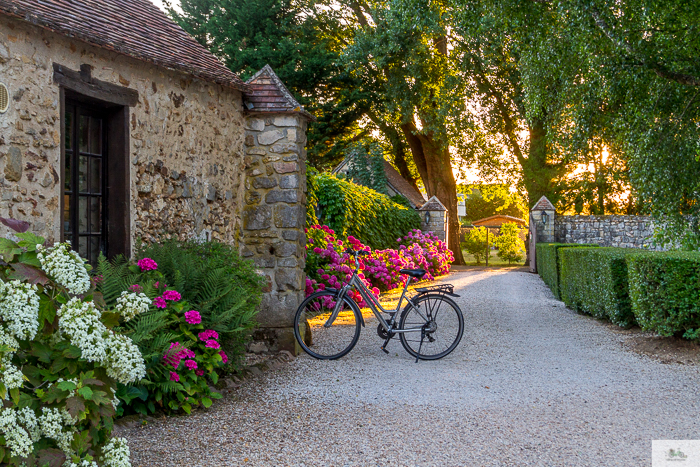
274 218
616 231
186 139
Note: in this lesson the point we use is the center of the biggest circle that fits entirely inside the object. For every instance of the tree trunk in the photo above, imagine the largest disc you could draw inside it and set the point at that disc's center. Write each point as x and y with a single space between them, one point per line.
435 168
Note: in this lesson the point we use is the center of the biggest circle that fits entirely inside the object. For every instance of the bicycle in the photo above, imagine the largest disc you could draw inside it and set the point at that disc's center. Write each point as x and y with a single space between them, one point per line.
327 323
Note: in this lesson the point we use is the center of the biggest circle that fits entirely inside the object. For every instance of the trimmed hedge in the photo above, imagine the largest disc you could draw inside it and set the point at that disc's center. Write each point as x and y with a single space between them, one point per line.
548 262
665 292
595 281
367 215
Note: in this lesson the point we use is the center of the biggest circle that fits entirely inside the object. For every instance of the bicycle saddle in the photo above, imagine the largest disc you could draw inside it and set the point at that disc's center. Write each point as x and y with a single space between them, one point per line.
418 273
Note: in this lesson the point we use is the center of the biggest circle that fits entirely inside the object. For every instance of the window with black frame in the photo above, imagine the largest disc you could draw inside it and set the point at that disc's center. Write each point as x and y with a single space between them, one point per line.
84 181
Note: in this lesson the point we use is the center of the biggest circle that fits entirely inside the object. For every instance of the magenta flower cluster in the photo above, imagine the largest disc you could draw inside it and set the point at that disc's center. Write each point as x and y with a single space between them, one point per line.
147 264
380 270
193 317
174 357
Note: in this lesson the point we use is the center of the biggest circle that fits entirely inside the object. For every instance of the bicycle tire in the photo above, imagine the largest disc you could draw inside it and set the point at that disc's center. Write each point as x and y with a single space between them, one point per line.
431 308
326 343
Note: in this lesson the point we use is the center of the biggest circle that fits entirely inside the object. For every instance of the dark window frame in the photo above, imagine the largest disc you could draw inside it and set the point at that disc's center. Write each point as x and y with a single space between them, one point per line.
112 103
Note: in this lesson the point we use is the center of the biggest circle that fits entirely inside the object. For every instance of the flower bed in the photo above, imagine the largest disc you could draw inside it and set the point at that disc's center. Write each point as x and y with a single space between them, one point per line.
327 264
62 354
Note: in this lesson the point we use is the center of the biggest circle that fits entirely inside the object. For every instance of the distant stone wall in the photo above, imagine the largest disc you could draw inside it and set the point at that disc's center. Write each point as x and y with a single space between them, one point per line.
615 231
273 219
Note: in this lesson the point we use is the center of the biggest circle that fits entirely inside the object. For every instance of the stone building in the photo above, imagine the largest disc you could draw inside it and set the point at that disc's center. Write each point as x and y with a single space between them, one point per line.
119 126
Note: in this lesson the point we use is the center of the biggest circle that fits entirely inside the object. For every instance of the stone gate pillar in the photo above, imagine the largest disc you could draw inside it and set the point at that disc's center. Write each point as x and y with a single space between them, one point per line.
541 227
275 212
433 218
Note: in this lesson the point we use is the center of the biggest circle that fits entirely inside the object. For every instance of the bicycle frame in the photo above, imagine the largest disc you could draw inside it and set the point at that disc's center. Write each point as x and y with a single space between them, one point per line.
374 304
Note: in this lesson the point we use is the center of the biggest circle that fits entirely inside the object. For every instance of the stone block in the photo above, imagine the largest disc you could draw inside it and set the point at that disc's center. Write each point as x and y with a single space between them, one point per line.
285 249
281 148
257 218
289 181
13 165
257 151
292 235
278 309
286 121
285 167
255 124
211 193
288 279
264 182
252 197
264 262
287 217
268 137
287 262
282 196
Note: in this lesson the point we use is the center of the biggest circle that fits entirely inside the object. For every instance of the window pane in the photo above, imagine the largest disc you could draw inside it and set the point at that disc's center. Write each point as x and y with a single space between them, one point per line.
66 213
69 130
95 135
83 247
66 171
95 214
83 214
68 238
95 175
82 174
94 249
83 132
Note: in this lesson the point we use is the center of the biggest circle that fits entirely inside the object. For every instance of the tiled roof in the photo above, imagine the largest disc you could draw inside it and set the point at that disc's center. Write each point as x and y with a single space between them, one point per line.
132 27
499 219
543 205
268 94
433 204
400 185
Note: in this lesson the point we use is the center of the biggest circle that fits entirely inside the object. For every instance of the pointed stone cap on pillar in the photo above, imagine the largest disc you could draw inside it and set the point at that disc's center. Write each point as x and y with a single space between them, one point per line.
433 204
543 205
267 94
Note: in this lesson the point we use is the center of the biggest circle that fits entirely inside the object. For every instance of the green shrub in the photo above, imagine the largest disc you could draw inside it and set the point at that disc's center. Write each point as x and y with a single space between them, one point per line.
371 217
510 245
548 262
477 243
595 281
665 292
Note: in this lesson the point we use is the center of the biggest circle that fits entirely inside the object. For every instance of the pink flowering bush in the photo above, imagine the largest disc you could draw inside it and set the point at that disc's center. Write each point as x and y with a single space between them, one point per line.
329 266
147 264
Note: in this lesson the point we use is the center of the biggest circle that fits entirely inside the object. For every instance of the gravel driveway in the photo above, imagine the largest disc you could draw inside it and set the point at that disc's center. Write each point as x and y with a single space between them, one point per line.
532 383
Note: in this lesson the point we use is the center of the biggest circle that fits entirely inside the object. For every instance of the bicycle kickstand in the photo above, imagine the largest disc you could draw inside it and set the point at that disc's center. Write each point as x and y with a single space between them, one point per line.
386 342
422 338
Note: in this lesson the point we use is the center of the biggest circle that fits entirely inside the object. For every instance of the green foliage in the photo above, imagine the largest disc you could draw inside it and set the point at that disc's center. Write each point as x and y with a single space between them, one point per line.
665 292
510 246
366 162
311 197
478 243
595 281
401 199
354 210
548 262
48 371
487 200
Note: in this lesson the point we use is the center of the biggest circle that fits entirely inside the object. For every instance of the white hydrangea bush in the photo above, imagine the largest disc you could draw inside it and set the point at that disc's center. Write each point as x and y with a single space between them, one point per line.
59 360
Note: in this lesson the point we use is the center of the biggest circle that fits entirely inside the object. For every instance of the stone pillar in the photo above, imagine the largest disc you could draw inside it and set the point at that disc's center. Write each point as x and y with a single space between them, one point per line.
542 217
273 221
434 218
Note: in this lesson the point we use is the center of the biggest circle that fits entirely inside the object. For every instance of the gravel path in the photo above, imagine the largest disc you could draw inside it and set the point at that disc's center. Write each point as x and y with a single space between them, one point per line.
532 383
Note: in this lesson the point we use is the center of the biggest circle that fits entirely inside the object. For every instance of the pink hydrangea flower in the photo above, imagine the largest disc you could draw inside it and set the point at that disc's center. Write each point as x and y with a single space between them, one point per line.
190 364
173 295
159 302
199 372
193 317
147 264
224 357
212 344
208 334
174 376
136 288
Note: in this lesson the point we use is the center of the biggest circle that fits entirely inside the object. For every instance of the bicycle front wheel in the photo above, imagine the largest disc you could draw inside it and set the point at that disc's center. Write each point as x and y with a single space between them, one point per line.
318 337
438 326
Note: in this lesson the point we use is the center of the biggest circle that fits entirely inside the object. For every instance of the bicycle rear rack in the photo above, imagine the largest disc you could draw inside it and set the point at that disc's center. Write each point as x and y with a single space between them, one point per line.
447 289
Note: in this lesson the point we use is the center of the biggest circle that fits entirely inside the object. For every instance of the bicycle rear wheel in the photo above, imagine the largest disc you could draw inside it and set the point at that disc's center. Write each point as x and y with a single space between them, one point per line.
441 327
321 341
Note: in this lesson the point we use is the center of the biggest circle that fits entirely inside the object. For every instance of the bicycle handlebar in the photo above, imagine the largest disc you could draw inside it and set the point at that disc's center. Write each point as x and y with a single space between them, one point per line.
357 253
